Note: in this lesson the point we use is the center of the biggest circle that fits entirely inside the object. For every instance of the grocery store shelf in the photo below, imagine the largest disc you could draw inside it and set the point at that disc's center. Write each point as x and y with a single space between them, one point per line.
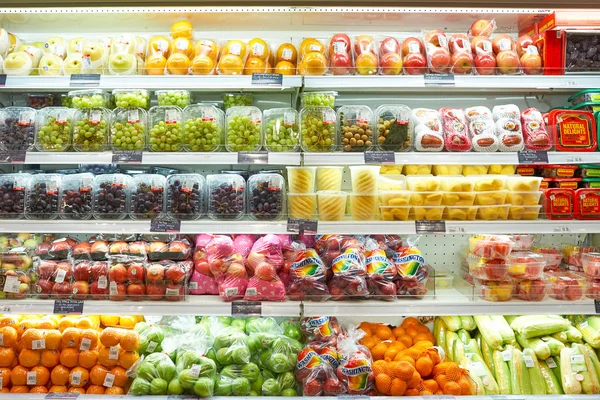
194 83
29 396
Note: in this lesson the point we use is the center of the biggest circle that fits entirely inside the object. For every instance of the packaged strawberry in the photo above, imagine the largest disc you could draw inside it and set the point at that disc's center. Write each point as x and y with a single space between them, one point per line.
307 276
429 135
482 129
381 272
355 369
508 127
456 135
534 130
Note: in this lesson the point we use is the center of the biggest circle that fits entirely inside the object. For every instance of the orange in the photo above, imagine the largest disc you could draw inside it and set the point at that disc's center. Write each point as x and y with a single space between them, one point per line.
29 336
390 353
254 65
259 48
95 389
378 351
158 45
120 374
58 389
369 342
53 339
406 340
431 385
110 336
453 372
9 336
130 341
127 358
60 375
452 388
71 337
230 64
38 389
5 390
65 323
366 327
178 64
183 46
5 374
234 47
69 357
405 358
47 324
310 45
103 358
441 380
383 332
379 367
285 68
424 366
92 336
84 323
422 329
42 375
402 370
50 358
77 390
183 28
155 64
97 374
88 358
84 377
7 356
18 375
19 389
410 322
314 64
398 387
441 368
383 383
287 52
398 331
465 387
423 337
114 390
415 380
208 48
29 358
412 332
202 65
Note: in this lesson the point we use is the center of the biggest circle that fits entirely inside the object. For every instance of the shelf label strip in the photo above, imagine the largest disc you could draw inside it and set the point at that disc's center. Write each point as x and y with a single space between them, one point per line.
158 225
305 226
267 79
430 226
439 79
532 157
253 157
68 307
242 308
13 157
380 157
85 80
127 156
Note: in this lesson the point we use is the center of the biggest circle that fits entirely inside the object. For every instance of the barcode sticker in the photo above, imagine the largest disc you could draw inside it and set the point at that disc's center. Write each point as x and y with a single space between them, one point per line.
504 45
232 291
151 347
95 116
11 284
289 118
170 116
195 370
193 285
113 353
26 118
172 292
413 47
109 380
235 49
442 40
528 361
133 116
258 49
533 50
60 276
550 362
113 289
87 61
339 47
85 344
102 282
31 378
76 378
487 46
251 291
507 355
577 358
38 344
287 54
583 325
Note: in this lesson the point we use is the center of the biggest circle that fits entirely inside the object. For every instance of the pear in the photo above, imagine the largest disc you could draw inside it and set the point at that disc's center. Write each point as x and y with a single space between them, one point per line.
18 63
51 65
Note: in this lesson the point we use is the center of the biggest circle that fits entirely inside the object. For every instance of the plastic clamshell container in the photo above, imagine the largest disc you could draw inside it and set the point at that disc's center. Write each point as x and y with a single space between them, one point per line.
558 171
591 264
331 205
522 242
502 169
174 97
423 183
328 178
487 183
302 205
453 183
131 98
301 179
495 291
226 196
185 196
281 129
393 129
528 170
43 196
565 285
166 129
531 290
15 188
395 198
447 169
492 213
593 183
113 193
243 129
564 183
147 196
77 200
490 246
469 170
91 128
495 197
592 289
417 169
551 256
40 100
443 278
364 207
54 129
319 99
426 199
89 98
237 100
128 127
587 204
364 178
460 213
585 96
523 198
203 128
355 128
391 182
318 131
491 269
265 196
526 265
17 128
559 204
458 199
573 130
516 183
391 169
419 213
395 213
589 171
524 212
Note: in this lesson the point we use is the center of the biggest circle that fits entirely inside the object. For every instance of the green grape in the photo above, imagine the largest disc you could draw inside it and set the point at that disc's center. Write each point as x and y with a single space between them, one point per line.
54 136
180 98
166 137
132 98
319 99
90 136
242 134
66 101
279 137
202 135
88 101
317 131
235 100
127 136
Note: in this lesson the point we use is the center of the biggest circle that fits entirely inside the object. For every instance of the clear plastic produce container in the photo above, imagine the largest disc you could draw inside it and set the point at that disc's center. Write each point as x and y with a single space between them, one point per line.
524 198
281 129
243 129
494 290
427 213
460 213
492 213
524 212
456 184
329 178
77 200
426 199
364 207
302 205
147 196
203 128
447 169
226 196
185 196
393 130
318 129
13 190
54 129
128 127
265 196
364 178
591 264
458 199
526 265
17 128
134 98
301 179
395 213
98 169
355 128
491 269
417 169
495 197
40 100
42 201
531 290
319 99
237 100
91 129
112 196
486 183
166 128
391 182
423 183
179 98
523 183
331 205
89 98
396 198
565 285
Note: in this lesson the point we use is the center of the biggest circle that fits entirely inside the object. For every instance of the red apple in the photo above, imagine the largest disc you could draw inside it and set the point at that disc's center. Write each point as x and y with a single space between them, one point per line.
459 43
99 268
502 43
117 273
340 63
174 292
155 291
138 248
523 43
178 246
364 44
340 43
366 64
61 290
118 248
531 63
43 248
481 44
485 63
98 293
155 272
412 45
158 247
202 267
440 60
482 27
136 272
46 269
82 271
82 248
100 249
508 62
389 45
462 62
391 64
415 64
43 288
198 254
136 291
66 267
175 273
81 290
117 292
436 38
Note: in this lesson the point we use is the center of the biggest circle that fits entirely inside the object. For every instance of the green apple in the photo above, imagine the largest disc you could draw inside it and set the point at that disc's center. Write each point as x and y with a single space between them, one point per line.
73 64
51 65
75 45
122 64
56 45
18 63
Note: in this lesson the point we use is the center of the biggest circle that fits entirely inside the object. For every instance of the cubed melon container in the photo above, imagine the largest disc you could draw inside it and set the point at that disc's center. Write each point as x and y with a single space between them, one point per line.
487 183
516 183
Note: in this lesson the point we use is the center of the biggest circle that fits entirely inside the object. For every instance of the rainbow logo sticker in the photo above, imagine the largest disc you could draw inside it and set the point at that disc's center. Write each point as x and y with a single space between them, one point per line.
358 377
408 260
308 263
321 326
379 264
348 260
308 359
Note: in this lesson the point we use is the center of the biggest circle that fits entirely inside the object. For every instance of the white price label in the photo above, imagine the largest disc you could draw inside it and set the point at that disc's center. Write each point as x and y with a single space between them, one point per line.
38 344
151 347
172 292
232 291
171 116
258 49
442 40
5 309
26 118
95 116
251 291
504 45
339 47
113 353
11 284
533 50
1 382
583 325
507 355
561 229
109 380
87 61
76 378
133 116
60 276
85 344
289 118
456 229
32 378
235 49
478 369
113 289
413 47
102 282
577 358
528 361
550 362
487 46
193 285
195 370
287 54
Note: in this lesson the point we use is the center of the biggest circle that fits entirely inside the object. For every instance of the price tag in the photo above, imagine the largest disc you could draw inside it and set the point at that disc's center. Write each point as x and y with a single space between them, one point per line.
532 157
439 79
456 229
38 344
85 344
112 289
577 358
478 369
12 157
87 80
430 226
32 378
127 156
506 355
550 362
76 378
241 308
528 361
60 277
62 396
109 380
102 282
5 310
2 80
12 284
68 307
157 225
113 353
299 225
95 117
1 382
26 118
574 159
253 157
195 370
380 157
267 79
289 118
151 347
561 229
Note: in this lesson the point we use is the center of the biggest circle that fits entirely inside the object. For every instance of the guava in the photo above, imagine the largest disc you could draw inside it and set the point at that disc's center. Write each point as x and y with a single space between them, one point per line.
292 332
154 358
252 393
175 387
204 387
223 387
166 370
231 371
210 354
239 323
241 355
224 356
279 363
266 374
265 355
295 345
186 359
257 384
187 379
147 371
140 387
286 380
271 387
289 392
155 334
254 344
252 325
158 386
225 320
250 371
208 367
240 387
